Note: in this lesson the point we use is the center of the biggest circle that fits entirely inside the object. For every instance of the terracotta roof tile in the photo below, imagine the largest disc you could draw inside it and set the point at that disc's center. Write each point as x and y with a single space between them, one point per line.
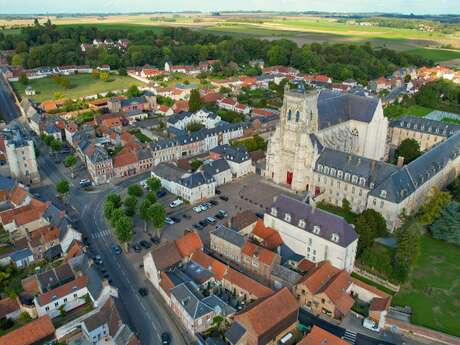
305 266
380 304
166 283
35 332
7 306
248 284
189 243
243 219
266 256
270 312
319 336
18 195
63 290
218 268
269 237
370 288
166 256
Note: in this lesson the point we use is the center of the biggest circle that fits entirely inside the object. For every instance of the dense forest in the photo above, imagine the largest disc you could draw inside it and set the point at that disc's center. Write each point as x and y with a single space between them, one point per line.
50 45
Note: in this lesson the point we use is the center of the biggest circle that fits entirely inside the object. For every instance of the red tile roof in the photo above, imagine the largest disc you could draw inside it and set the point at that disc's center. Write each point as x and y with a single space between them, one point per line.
228 101
35 332
380 304
253 250
75 248
180 106
269 237
248 284
261 112
370 288
218 268
18 195
189 243
63 290
166 283
319 336
271 312
305 266
8 306
24 214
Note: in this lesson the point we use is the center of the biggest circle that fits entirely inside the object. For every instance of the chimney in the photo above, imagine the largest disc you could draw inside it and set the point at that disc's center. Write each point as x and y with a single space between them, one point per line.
349 158
373 163
400 162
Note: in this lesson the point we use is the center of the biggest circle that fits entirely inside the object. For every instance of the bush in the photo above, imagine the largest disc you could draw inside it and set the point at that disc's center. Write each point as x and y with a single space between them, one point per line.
135 190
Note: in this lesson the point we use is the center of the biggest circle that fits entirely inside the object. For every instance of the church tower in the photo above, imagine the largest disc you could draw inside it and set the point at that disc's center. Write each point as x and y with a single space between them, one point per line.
291 150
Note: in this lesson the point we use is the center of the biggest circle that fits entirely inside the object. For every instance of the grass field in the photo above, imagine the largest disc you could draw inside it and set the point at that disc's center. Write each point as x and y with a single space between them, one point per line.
417 110
80 85
433 291
436 55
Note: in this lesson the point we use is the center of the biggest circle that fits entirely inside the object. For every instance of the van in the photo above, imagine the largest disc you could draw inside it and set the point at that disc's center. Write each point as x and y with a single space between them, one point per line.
176 203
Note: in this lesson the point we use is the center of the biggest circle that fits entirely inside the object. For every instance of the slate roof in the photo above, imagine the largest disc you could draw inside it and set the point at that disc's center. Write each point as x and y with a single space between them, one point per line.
179 116
21 254
286 274
372 170
229 235
329 223
215 167
235 333
196 179
235 154
218 305
335 107
424 125
191 300
404 181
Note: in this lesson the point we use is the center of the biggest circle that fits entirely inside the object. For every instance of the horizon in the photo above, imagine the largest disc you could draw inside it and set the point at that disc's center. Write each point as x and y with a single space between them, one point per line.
88 7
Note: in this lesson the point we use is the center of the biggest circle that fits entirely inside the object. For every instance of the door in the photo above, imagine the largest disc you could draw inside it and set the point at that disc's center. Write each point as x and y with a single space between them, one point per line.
289 177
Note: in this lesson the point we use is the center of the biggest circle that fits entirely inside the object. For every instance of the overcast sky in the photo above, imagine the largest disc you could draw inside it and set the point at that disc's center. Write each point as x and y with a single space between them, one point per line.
82 6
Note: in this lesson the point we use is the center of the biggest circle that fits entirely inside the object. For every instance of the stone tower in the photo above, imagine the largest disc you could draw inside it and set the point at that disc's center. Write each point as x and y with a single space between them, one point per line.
292 149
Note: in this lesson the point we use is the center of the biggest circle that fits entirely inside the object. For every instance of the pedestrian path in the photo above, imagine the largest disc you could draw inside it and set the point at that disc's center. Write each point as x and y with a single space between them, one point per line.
349 336
104 233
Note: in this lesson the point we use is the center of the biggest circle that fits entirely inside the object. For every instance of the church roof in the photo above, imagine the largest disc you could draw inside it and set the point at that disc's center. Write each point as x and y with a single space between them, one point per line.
335 107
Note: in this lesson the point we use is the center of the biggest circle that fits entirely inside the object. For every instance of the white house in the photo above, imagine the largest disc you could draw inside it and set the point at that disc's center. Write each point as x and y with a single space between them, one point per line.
313 233
183 119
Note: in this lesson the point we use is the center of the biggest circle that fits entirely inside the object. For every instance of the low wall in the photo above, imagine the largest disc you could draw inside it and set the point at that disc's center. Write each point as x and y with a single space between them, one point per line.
376 279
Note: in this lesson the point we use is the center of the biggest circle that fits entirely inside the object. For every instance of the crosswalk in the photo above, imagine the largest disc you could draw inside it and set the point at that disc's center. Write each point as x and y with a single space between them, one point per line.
349 336
101 234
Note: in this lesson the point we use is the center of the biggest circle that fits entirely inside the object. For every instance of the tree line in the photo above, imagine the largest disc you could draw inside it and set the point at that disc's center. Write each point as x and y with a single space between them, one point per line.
51 45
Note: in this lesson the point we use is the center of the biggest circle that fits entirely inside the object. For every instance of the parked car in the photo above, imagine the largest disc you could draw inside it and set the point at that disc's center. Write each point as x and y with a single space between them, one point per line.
223 197
197 209
186 216
161 193
98 260
218 192
165 338
211 220
203 223
86 182
175 219
214 202
137 248
204 207
198 226
155 240
223 213
116 249
176 203
169 221
145 244
143 292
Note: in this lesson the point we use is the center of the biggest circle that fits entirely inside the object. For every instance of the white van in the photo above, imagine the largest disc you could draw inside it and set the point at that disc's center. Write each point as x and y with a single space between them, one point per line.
176 203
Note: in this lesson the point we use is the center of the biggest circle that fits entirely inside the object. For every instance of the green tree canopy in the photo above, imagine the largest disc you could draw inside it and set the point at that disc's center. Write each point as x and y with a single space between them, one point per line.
133 91
408 248
124 229
431 210
409 149
447 226
115 199
194 102
135 190
154 184
369 225
63 187
23 79
157 215
130 205
151 197
70 161
144 210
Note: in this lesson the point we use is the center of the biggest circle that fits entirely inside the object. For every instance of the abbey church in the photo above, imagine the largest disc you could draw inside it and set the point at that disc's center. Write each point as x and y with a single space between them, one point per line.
333 146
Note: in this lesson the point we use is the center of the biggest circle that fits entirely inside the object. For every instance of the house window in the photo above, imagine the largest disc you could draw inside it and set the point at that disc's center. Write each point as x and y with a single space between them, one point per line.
274 211
302 223
354 179
287 217
297 116
56 304
335 237
289 115
316 229
47 308
383 193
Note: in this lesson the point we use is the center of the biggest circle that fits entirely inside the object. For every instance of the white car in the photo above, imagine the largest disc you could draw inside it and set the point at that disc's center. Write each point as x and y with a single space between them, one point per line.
176 203
169 221
371 324
197 209
211 220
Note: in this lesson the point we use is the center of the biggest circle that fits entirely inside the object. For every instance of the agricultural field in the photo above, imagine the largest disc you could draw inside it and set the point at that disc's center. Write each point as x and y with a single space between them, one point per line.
437 55
433 290
80 85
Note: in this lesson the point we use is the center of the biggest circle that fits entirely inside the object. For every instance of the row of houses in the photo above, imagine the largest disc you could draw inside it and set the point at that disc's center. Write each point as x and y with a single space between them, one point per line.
107 43
13 73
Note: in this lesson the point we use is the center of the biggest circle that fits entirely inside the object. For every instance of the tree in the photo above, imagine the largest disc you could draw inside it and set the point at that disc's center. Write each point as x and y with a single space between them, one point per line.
447 226
115 199
194 102
130 205
454 189
104 76
194 126
135 190
133 91
16 60
153 184
156 216
151 197
144 210
431 210
369 225
122 71
196 163
70 161
346 205
124 230
56 145
23 79
409 149
63 187
408 248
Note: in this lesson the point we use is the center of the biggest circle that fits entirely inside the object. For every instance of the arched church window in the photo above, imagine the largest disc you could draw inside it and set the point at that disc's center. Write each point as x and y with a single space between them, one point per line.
297 116
289 115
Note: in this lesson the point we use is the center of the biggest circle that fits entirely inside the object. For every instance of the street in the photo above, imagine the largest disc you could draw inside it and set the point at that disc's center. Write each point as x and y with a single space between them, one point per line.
8 108
147 316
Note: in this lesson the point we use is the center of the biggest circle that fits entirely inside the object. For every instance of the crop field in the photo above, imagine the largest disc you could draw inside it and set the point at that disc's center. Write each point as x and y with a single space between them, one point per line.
80 85
436 55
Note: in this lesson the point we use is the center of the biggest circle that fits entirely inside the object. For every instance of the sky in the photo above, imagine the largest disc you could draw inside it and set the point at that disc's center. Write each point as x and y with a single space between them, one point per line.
92 6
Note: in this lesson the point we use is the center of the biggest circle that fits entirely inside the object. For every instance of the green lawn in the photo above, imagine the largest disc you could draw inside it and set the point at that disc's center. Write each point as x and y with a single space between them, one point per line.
417 110
435 54
433 291
80 85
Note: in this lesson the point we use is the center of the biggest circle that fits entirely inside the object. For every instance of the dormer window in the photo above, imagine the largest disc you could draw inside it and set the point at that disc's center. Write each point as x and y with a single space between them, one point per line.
340 174
362 181
316 229
326 170
302 224
354 179
383 193
333 172
335 237
371 185
320 168
287 217
274 211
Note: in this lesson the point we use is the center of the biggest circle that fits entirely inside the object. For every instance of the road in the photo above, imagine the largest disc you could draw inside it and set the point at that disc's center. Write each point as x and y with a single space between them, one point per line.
8 108
148 316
